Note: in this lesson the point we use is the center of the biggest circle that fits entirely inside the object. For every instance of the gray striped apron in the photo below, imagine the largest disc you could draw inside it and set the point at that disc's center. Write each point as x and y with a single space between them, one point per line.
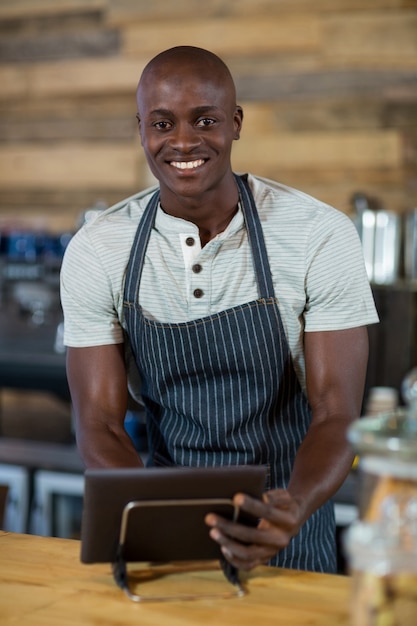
222 389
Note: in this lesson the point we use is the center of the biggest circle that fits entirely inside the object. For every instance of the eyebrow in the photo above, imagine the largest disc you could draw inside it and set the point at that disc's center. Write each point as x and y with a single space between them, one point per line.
200 110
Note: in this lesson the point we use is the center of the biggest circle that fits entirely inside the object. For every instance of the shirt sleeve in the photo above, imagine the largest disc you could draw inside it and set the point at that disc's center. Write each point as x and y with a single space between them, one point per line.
338 292
88 302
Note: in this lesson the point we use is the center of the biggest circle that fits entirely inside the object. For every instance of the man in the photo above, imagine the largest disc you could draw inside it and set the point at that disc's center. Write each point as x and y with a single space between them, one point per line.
242 303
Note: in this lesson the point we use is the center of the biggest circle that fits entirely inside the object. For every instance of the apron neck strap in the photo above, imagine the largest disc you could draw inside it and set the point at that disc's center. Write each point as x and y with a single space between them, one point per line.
256 238
138 251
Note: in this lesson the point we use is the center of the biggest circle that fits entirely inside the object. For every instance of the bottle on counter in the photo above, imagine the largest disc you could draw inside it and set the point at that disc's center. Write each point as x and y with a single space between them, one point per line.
383 565
381 547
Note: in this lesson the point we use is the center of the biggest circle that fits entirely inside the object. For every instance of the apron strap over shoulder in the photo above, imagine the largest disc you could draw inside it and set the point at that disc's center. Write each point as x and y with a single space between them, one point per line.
137 256
256 239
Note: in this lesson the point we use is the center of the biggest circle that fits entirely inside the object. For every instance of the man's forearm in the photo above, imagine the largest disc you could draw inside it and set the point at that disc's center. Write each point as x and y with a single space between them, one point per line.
322 463
101 447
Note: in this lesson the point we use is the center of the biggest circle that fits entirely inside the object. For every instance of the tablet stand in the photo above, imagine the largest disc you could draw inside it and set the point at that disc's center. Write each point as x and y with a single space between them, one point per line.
120 569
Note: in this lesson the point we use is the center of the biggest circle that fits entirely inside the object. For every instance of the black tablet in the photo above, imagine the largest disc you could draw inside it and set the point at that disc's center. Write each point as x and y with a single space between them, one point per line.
161 511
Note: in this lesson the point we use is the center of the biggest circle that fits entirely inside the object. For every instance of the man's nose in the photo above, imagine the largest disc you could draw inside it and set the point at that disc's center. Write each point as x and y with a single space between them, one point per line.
184 137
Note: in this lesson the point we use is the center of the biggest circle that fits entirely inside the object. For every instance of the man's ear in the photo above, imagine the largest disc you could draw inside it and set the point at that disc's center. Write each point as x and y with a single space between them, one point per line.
238 120
139 127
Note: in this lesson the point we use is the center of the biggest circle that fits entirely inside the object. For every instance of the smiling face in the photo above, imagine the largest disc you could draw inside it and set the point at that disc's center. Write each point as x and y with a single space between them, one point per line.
188 120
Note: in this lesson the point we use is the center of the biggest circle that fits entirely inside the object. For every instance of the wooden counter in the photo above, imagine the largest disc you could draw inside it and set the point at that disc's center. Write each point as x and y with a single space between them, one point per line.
43 583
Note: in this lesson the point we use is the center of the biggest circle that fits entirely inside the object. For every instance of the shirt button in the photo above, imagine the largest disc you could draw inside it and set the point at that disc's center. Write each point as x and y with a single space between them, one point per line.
190 241
197 268
198 293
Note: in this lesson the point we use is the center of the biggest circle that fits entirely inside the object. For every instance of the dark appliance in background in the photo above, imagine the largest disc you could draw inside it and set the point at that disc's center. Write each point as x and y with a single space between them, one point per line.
32 354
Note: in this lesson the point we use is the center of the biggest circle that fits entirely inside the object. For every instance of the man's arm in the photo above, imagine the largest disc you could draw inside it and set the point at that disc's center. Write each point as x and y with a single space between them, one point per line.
335 374
98 385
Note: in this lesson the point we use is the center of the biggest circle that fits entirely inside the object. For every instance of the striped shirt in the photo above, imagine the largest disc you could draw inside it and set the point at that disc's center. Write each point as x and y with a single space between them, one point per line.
314 252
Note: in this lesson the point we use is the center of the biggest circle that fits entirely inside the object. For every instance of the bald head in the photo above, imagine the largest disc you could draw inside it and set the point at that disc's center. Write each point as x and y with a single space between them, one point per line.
180 63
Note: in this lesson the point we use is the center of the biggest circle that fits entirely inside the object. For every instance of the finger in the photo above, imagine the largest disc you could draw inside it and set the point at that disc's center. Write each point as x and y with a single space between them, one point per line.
234 530
278 498
242 556
277 509
265 535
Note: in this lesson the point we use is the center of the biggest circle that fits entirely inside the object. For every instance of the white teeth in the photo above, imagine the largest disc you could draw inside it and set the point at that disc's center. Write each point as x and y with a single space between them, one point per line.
187 165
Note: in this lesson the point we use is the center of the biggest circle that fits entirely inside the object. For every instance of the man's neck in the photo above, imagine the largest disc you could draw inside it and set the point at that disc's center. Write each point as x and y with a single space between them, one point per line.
211 212
209 229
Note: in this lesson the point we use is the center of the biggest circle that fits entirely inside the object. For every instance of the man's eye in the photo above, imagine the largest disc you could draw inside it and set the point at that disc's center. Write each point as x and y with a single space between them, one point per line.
162 125
205 121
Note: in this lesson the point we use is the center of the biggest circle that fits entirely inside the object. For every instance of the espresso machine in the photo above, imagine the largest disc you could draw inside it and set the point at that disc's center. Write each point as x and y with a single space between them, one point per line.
32 353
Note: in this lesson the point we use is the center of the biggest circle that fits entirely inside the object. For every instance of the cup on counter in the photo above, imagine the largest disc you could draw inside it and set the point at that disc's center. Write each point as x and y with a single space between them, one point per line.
381 400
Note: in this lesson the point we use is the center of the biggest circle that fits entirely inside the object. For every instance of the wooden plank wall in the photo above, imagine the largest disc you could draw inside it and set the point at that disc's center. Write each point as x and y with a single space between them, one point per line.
329 90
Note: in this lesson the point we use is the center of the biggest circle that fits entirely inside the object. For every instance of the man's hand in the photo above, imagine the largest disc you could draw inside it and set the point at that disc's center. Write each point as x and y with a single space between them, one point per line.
246 547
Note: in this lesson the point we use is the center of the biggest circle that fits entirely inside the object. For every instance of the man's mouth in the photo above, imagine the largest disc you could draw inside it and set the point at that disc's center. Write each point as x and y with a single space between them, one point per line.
187 165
